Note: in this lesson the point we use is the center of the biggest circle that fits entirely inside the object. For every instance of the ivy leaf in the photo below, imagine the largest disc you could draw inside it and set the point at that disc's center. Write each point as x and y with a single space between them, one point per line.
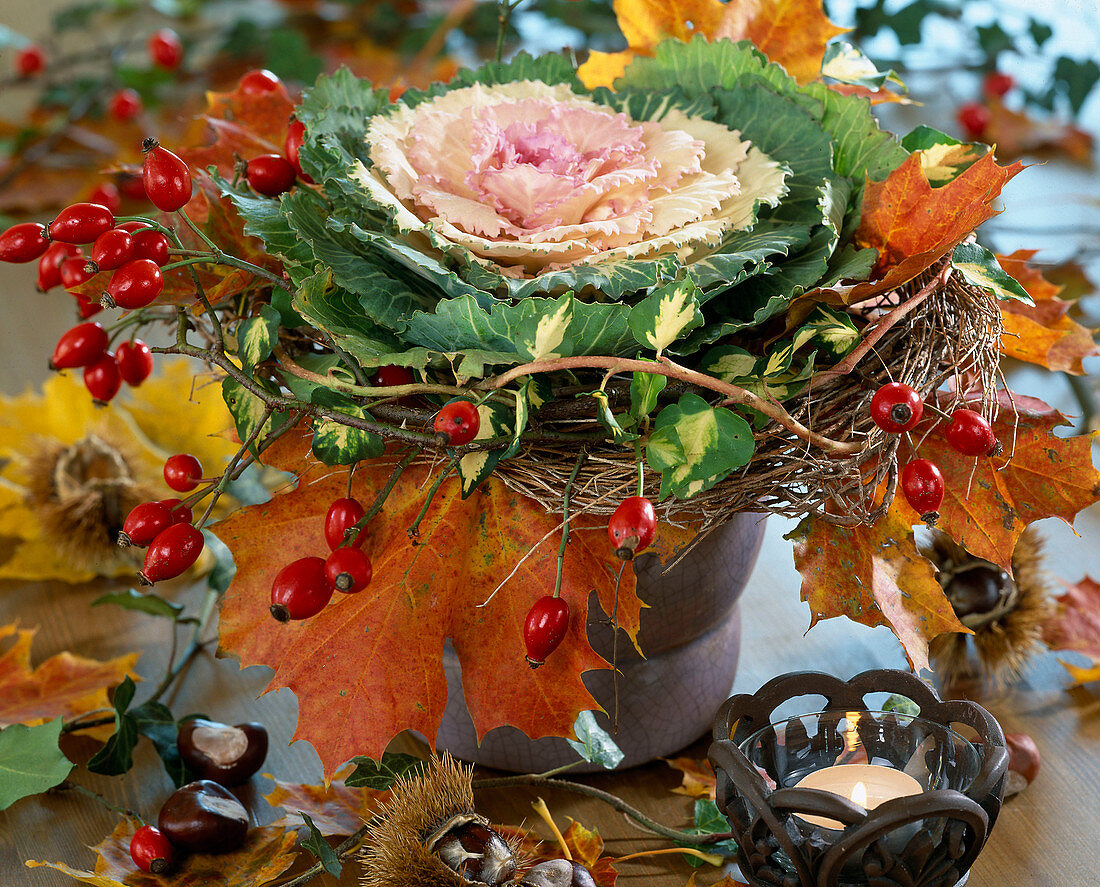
318 846
257 336
495 420
666 314
709 820
335 443
142 602
695 445
980 268
645 388
545 336
155 721
608 419
30 761
247 409
381 774
116 757
593 743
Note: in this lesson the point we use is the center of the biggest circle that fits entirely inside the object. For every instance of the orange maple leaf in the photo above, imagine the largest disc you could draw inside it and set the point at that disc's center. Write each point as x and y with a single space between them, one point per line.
1042 333
1016 133
699 780
875 576
1075 626
790 32
370 664
335 809
989 501
265 854
64 685
913 225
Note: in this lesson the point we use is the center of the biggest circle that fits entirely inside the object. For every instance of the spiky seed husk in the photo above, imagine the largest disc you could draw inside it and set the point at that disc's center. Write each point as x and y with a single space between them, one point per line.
1000 646
422 808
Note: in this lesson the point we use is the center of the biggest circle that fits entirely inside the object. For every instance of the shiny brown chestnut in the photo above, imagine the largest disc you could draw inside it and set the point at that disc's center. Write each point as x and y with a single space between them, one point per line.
557 873
203 817
468 845
227 755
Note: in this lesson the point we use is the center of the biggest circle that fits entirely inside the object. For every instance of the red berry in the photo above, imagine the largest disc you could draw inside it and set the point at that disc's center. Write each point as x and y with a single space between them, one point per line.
135 361
166 178
970 434
165 49
84 344
134 285
631 527
75 271
30 60
386 376
81 223
295 135
174 549
973 117
112 249
997 84
49 266
181 514
151 244
182 472
922 484
131 185
103 378
547 622
24 242
85 307
260 82
458 422
270 175
151 851
348 570
144 523
124 105
896 407
300 590
106 194
342 515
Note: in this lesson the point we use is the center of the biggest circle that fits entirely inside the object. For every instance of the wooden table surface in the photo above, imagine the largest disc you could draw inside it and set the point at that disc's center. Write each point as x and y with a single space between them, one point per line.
1046 836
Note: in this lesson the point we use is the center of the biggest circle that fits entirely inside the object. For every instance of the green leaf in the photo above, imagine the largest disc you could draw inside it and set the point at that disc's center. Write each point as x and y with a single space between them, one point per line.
709 820
257 336
694 445
847 64
666 314
495 420
832 330
593 743
903 705
381 775
645 388
337 444
524 396
116 757
993 39
608 419
728 363
1040 32
316 844
980 268
545 336
247 409
290 57
1076 79
30 761
155 721
142 602
224 567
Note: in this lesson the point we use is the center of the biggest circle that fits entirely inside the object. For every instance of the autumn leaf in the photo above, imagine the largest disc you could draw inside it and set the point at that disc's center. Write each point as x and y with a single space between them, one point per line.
875 576
1076 626
790 32
1042 333
335 809
989 502
265 854
65 685
698 777
913 225
586 847
1016 133
370 664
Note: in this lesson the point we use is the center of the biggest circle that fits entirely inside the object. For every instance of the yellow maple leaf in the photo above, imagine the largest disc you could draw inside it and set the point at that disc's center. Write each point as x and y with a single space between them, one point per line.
53 440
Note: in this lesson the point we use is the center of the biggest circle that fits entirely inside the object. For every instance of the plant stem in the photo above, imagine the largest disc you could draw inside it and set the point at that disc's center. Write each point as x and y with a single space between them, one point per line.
383 493
581 459
99 799
226 476
344 851
617 803
414 530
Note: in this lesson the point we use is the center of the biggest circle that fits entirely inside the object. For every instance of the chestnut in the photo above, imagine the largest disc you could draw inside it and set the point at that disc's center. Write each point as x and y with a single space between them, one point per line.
468 845
557 873
227 755
1023 762
204 817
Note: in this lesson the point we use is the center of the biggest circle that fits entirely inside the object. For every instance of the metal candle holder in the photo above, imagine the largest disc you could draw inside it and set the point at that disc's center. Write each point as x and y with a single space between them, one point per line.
924 840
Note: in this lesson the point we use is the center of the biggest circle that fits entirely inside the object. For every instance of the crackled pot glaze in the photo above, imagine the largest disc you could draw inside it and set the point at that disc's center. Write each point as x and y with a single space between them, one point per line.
691 635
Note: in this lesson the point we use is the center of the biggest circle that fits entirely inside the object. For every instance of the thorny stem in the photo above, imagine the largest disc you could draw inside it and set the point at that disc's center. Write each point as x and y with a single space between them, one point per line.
667 368
219 487
344 851
538 779
414 530
581 459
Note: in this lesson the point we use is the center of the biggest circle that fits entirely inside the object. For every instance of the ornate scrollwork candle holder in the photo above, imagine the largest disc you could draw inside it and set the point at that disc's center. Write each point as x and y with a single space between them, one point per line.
851 796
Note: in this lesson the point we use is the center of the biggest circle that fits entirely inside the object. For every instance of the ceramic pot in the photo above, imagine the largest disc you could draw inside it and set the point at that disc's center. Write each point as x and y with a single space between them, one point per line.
691 636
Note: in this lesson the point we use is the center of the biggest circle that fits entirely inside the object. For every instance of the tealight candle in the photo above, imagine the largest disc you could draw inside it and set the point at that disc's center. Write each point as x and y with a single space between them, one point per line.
867 785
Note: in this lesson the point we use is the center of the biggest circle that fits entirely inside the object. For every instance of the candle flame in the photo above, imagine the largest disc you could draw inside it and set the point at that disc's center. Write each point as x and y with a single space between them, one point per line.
859 794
